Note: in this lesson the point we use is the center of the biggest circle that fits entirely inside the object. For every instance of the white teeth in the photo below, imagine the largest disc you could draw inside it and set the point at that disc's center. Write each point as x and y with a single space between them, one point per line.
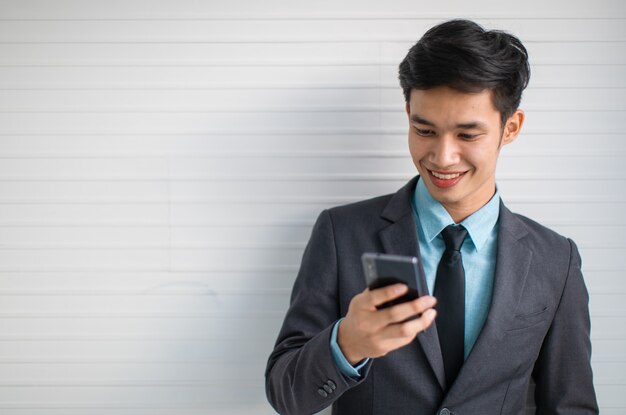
445 176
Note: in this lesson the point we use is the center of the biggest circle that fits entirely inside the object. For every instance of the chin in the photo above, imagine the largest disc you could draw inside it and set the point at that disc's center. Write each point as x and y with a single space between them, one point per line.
449 196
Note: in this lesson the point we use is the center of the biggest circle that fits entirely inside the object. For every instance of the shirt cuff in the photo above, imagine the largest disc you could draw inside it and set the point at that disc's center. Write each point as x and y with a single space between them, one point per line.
340 360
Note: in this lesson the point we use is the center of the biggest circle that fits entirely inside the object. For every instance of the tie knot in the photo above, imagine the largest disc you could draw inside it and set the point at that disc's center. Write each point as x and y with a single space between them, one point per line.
454 236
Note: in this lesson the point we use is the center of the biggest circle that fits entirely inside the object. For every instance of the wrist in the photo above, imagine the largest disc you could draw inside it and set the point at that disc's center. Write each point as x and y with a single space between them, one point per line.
344 344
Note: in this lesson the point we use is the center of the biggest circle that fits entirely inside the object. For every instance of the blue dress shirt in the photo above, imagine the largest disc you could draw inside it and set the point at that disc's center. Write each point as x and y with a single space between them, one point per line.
479 262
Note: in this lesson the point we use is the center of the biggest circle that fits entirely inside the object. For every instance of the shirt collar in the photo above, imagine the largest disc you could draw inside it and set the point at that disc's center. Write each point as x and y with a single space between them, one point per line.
434 217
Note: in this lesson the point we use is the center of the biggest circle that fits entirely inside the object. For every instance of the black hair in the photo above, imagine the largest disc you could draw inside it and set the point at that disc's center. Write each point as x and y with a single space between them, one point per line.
464 56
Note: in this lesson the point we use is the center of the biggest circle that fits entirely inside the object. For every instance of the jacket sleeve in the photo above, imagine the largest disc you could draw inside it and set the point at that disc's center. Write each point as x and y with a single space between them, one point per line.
563 375
301 376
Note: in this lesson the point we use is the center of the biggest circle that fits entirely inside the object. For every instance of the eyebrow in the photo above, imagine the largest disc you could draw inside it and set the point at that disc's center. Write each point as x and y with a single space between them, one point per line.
416 118
469 125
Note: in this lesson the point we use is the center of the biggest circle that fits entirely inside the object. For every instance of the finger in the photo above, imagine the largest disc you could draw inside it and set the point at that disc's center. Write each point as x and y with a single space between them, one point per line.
403 311
382 295
362 302
362 308
409 329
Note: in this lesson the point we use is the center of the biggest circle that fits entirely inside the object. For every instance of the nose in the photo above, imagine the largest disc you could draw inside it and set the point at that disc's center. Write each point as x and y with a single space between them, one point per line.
445 152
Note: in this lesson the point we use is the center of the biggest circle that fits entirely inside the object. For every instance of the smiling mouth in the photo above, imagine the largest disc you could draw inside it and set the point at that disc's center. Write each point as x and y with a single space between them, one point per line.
447 176
445 180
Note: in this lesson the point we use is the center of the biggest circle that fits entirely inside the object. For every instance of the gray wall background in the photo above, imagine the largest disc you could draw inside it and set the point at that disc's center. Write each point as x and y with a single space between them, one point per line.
162 163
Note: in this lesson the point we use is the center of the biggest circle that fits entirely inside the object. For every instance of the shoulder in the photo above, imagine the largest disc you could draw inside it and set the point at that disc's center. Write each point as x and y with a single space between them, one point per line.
378 210
357 212
541 240
539 231
353 220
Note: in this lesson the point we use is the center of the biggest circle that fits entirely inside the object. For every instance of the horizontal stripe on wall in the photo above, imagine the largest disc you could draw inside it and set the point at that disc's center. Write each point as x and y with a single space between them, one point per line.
371 143
241 76
271 100
238 30
75 9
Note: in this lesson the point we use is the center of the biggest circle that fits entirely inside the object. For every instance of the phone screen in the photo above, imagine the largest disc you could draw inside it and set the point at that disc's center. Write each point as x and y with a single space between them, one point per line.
382 270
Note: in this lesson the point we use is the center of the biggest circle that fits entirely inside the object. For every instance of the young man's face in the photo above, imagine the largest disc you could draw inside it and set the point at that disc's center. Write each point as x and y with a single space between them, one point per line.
454 140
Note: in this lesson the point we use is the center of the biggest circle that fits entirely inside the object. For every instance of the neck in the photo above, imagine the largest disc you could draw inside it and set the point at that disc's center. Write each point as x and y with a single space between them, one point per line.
459 213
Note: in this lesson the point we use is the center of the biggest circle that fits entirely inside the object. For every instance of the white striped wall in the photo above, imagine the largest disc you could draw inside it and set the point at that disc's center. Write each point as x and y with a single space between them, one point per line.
162 163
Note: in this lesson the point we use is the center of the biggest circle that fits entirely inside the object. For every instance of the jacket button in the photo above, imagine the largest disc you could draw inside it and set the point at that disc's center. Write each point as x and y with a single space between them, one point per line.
327 388
331 384
322 392
445 411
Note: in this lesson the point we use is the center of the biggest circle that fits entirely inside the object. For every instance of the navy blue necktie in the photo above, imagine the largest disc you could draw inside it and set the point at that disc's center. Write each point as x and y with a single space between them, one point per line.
450 294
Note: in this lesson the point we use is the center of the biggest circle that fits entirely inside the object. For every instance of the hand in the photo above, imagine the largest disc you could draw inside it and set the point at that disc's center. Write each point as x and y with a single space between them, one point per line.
369 332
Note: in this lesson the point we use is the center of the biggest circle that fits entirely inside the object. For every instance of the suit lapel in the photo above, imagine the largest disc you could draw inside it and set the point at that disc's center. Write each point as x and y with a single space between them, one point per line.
512 264
513 260
400 238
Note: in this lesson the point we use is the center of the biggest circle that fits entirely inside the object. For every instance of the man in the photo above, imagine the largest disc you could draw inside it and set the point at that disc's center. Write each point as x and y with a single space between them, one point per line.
510 305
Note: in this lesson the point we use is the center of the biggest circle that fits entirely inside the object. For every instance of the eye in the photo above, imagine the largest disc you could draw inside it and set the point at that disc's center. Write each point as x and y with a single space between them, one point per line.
466 136
424 132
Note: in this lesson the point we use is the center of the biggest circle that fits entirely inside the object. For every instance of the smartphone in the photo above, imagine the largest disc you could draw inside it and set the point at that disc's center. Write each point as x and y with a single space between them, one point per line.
384 269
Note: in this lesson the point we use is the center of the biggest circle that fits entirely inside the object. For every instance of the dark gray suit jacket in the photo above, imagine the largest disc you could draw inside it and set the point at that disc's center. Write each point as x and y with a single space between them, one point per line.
538 325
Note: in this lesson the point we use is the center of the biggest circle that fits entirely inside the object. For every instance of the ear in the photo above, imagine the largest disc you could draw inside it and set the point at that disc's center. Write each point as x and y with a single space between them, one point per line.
408 109
513 127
